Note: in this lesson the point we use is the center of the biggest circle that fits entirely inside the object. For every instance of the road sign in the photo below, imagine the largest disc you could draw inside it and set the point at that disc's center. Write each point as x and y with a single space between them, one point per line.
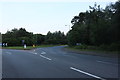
23 41
24 45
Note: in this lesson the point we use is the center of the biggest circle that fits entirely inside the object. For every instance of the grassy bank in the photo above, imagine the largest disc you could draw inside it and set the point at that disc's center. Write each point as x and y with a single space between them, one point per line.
28 47
94 52
92 49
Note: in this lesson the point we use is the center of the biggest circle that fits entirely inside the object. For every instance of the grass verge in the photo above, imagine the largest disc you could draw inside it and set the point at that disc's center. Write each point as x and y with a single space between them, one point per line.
28 47
91 50
94 52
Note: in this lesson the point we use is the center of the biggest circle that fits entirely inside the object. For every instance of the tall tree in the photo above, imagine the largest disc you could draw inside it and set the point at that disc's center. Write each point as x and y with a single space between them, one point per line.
15 37
95 26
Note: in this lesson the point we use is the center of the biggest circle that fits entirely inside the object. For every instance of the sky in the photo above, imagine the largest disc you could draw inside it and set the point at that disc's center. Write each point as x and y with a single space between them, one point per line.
41 16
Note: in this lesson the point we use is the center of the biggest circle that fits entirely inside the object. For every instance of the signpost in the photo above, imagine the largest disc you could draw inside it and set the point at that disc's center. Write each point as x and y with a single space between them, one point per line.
24 46
23 43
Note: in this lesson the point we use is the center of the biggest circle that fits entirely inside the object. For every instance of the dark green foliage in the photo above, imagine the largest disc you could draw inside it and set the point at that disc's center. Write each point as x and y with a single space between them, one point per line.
0 37
55 38
115 28
97 26
15 37
38 39
81 47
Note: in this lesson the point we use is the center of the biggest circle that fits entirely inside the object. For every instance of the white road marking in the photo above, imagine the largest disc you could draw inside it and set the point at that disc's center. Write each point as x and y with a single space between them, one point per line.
43 52
86 73
8 52
35 53
106 62
45 57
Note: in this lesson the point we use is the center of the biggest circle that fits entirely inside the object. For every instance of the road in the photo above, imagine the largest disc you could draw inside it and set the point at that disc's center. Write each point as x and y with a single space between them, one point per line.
54 62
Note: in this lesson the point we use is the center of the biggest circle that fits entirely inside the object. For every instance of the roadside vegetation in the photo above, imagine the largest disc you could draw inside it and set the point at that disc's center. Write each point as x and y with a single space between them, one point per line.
19 37
95 29
93 49
28 47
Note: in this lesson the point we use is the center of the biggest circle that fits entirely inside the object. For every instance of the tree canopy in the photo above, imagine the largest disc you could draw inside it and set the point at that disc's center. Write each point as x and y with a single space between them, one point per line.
15 37
56 37
96 26
18 37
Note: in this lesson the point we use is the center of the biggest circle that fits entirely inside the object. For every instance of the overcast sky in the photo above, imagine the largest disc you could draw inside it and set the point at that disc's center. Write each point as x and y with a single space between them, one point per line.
40 16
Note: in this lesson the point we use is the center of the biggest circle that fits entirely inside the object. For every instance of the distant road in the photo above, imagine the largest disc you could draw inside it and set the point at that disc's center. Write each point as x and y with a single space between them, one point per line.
53 62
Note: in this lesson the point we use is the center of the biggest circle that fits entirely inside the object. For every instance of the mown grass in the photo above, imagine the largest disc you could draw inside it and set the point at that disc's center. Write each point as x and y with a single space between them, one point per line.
90 48
77 49
28 47
18 47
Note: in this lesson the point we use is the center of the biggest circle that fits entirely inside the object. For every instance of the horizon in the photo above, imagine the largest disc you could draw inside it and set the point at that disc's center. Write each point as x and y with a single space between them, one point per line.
31 32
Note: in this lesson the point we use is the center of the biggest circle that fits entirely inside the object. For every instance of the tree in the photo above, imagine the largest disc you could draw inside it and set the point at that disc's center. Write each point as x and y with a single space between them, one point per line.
56 37
15 37
39 39
94 27
115 28
0 37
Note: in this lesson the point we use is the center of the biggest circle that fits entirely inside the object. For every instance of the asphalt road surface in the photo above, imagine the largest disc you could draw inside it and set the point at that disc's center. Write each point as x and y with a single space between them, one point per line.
54 62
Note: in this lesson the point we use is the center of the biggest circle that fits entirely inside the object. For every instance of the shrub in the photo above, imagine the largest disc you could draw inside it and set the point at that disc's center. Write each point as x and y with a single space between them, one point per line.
111 47
92 47
114 47
103 47
81 47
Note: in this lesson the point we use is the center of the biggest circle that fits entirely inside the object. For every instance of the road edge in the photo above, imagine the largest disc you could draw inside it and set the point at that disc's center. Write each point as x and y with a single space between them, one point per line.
93 53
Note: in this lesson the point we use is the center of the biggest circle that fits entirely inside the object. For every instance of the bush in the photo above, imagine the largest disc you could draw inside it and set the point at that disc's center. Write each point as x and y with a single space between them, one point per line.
111 47
81 47
92 47
103 47
114 47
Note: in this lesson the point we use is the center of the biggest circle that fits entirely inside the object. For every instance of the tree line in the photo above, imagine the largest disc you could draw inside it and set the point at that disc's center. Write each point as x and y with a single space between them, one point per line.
96 26
15 37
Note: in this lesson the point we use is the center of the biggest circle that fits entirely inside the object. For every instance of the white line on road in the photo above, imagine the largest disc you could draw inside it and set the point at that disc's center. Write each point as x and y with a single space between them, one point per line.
45 57
106 62
86 73
43 52
8 52
35 53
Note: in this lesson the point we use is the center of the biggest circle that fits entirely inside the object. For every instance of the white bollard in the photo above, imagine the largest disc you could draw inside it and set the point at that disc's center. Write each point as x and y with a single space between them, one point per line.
25 46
